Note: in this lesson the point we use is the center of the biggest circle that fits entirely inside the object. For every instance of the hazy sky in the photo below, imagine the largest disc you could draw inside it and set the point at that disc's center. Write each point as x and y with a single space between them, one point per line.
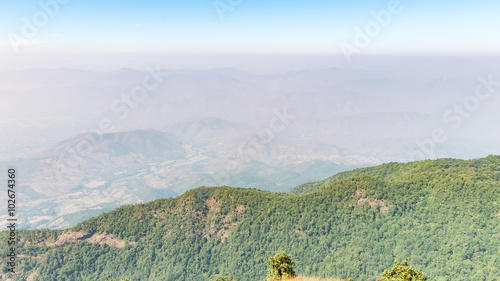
52 28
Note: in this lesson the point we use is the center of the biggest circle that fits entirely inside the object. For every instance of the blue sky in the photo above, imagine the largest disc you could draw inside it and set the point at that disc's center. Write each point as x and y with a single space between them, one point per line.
90 27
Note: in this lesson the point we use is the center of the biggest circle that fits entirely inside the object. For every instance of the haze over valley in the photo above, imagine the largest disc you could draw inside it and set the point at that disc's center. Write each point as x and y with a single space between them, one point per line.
86 142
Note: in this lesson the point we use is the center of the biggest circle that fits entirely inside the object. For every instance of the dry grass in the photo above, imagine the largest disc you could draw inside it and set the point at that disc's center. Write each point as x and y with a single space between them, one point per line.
303 278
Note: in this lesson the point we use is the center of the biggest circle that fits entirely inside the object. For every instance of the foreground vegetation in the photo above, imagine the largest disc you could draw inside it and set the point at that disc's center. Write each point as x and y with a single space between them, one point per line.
443 214
281 269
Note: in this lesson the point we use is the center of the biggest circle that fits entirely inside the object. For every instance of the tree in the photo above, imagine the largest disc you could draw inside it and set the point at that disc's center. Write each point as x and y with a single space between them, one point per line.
281 267
403 272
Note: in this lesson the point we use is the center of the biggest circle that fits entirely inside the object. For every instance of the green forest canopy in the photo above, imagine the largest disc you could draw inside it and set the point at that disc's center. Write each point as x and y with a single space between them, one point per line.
443 214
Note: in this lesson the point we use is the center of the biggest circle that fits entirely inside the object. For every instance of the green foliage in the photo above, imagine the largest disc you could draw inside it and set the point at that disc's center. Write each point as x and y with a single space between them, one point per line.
443 214
281 267
403 272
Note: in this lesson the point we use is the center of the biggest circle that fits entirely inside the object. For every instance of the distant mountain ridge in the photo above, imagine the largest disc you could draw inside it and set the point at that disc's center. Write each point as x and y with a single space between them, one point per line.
146 145
218 127
92 173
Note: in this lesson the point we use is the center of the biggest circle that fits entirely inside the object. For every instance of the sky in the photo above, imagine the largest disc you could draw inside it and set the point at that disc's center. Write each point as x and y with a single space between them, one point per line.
64 29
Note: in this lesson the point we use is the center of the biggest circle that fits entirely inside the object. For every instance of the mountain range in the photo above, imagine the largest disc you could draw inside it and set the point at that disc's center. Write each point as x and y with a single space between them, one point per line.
442 214
86 142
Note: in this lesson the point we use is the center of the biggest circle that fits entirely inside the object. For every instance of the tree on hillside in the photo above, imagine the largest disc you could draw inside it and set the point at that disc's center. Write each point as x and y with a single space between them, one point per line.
281 267
403 272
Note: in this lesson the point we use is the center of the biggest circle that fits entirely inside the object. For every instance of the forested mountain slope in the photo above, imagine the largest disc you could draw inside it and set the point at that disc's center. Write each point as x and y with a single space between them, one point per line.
443 214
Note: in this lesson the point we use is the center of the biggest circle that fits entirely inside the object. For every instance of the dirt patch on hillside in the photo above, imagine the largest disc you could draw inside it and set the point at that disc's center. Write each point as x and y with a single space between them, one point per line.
107 239
240 209
360 192
212 204
64 238
226 231
222 230
300 233
384 208
28 257
228 217
69 237
4 277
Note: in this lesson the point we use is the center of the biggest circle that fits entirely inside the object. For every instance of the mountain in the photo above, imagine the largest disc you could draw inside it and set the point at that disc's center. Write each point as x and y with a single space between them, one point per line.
443 214
379 107
89 174
218 127
121 149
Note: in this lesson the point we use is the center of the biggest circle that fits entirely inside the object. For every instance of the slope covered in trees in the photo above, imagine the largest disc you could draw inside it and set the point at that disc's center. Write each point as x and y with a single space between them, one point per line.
443 214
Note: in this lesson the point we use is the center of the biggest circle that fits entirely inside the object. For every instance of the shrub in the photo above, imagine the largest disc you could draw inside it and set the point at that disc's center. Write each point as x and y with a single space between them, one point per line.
281 267
403 272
